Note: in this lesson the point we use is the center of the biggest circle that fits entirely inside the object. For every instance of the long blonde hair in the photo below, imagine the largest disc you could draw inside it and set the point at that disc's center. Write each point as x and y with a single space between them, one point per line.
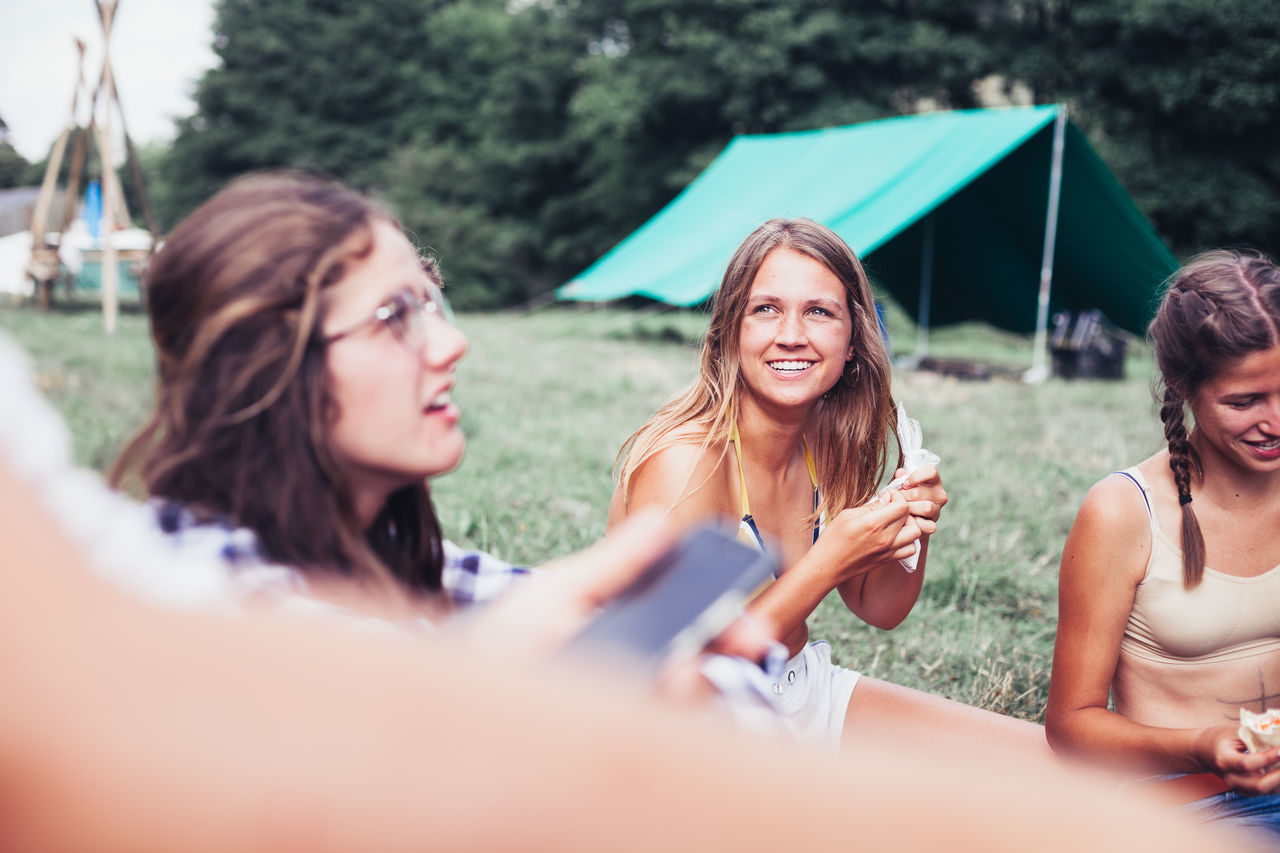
854 418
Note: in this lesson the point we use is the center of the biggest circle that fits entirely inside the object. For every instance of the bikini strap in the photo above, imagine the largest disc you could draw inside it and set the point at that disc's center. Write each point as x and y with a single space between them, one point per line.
808 463
745 504
742 477
813 478
1134 477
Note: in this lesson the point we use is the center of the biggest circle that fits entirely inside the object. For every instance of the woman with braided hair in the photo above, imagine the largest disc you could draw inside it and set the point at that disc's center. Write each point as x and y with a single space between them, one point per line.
1169 591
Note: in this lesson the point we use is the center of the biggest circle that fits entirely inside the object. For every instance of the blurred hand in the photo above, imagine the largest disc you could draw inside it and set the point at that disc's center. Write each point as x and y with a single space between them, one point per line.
746 637
542 614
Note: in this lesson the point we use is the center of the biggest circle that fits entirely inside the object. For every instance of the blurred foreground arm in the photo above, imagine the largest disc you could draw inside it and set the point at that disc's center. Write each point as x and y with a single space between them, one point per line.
131 727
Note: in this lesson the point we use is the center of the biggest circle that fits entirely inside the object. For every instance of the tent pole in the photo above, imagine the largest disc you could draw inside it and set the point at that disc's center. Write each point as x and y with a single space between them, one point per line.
926 290
1039 370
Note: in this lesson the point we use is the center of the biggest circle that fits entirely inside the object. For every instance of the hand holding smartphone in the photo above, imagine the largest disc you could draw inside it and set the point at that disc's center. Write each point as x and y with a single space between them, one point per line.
680 603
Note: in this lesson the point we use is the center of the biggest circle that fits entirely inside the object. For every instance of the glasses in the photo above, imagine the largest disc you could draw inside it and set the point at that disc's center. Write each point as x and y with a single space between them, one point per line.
404 314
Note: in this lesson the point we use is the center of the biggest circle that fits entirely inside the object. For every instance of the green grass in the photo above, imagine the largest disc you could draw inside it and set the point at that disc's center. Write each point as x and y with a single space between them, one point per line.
102 384
548 397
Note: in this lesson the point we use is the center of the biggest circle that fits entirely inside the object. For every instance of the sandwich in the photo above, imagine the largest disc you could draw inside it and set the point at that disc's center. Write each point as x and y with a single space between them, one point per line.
1260 732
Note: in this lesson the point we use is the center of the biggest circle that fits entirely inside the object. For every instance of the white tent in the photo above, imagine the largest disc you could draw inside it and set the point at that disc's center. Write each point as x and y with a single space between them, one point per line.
15 251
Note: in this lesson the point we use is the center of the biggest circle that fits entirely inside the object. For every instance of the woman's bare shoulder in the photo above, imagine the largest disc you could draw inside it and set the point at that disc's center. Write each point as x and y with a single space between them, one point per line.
1117 499
684 477
686 454
1111 532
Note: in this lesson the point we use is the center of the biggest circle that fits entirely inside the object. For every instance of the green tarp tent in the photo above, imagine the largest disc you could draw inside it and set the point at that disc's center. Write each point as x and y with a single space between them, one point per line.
954 213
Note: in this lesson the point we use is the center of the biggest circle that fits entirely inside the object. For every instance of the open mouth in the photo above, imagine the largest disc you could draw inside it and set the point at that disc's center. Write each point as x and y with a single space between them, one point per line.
441 401
1268 445
790 366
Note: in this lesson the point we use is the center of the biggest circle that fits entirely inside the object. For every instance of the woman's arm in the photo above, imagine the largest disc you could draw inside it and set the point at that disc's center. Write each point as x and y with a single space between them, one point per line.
856 542
1103 561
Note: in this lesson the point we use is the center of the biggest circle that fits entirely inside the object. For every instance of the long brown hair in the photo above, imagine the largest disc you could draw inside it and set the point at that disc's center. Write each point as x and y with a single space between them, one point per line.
240 427
1220 307
853 419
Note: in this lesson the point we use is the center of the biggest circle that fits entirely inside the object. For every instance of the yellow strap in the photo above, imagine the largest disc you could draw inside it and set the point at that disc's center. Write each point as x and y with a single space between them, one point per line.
808 462
742 478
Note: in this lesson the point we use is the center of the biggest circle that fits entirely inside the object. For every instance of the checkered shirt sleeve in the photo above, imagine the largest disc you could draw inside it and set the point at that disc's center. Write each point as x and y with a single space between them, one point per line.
474 577
468 577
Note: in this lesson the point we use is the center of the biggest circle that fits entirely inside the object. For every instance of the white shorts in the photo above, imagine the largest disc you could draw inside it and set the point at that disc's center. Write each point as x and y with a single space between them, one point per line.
814 695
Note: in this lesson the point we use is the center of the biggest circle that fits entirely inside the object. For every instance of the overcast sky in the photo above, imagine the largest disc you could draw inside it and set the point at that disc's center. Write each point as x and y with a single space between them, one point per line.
159 48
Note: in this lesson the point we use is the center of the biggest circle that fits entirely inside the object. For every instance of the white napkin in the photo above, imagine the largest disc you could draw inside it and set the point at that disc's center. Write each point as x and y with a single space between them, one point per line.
914 456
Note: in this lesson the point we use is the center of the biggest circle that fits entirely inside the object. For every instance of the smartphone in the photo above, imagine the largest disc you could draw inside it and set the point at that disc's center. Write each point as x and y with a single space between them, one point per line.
680 603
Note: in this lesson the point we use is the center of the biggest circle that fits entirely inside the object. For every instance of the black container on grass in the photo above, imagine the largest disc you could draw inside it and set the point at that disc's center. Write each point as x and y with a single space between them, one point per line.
1085 345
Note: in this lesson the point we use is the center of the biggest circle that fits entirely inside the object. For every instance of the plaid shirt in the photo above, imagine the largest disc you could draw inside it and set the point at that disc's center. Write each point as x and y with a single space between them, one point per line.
467 577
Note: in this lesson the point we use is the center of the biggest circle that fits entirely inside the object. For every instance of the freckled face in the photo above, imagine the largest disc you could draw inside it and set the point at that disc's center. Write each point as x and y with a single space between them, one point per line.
1237 413
796 333
394 421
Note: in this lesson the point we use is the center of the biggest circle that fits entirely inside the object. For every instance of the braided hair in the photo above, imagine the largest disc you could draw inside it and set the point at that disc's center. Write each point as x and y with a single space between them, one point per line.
1217 309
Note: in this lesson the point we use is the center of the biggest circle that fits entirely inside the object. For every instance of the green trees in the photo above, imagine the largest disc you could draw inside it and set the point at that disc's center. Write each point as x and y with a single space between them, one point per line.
667 84
485 167
1181 99
306 83
520 139
14 168
15 171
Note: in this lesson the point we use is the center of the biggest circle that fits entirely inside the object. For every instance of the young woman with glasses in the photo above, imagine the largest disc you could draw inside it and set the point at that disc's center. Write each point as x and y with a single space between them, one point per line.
304 369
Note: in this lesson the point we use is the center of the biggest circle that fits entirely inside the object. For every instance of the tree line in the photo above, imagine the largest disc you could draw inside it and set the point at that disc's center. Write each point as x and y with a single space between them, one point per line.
521 139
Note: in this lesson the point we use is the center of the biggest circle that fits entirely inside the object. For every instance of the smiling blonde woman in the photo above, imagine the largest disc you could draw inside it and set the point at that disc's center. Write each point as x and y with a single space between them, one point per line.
786 430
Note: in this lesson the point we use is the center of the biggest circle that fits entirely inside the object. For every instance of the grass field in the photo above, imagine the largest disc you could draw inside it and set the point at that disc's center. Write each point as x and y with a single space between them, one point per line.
548 397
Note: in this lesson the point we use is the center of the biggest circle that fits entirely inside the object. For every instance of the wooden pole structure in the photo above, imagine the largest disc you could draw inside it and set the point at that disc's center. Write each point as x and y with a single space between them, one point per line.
78 150
43 266
112 198
43 201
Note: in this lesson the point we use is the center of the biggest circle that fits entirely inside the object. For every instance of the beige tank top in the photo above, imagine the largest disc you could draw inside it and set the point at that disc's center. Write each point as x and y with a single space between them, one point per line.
1193 658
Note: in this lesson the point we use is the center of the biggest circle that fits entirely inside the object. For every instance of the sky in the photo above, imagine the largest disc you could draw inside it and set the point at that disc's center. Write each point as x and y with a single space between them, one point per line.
159 48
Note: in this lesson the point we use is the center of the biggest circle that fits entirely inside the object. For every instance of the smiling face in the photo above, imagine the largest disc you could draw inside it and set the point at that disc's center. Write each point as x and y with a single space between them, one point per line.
1237 414
393 422
796 332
